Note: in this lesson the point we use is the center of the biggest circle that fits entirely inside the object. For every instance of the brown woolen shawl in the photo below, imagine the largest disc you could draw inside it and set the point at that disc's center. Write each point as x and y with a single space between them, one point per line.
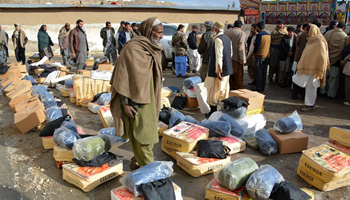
139 60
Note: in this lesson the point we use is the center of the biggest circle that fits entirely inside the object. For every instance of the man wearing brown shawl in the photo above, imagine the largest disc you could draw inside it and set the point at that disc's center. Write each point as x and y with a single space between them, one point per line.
64 43
276 38
136 87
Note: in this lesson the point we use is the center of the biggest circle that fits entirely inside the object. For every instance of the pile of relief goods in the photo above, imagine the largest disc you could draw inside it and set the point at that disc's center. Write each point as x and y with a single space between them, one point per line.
151 182
243 179
327 167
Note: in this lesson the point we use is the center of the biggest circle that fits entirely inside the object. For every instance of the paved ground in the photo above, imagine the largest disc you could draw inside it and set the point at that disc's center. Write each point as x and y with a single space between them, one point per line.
27 171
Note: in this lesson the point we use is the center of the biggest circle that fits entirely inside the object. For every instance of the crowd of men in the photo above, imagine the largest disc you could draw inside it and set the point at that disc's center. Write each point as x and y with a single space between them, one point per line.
303 59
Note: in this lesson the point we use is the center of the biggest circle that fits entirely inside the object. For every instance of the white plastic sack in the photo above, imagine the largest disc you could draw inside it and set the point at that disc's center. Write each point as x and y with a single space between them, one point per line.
202 95
251 124
93 107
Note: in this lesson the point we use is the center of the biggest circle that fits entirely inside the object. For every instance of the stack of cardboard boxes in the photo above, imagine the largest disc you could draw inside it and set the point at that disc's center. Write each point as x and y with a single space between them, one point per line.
28 109
255 100
327 167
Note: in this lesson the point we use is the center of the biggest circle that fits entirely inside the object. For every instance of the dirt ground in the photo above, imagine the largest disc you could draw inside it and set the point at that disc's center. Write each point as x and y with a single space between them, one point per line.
29 172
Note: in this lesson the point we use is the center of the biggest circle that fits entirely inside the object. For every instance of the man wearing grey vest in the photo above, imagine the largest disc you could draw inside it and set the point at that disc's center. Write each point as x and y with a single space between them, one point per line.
220 69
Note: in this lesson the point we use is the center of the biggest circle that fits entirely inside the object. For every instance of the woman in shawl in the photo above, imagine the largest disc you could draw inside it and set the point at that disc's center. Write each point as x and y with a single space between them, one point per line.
311 69
4 38
44 43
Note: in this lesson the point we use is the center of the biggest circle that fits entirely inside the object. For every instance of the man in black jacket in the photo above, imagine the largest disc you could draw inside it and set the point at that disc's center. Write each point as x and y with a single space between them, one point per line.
204 49
109 43
287 52
194 57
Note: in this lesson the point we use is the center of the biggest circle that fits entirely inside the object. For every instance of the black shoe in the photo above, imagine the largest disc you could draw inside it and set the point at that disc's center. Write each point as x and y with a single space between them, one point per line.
184 76
294 96
307 108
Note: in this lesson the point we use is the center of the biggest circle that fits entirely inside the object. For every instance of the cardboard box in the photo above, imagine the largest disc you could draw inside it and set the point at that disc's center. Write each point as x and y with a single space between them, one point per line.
105 67
19 99
121 193
340 135
105 116
13 85
184 136
86 73
39 71
28 103
191 102
89 63
161 128
41 80
48 142
255 99
11 71
214 191
62 154
293 142
197 166
311 179
309 192
326 163
29 118
18 90
88 178
255 111
21 68
171 152
8 80
72 99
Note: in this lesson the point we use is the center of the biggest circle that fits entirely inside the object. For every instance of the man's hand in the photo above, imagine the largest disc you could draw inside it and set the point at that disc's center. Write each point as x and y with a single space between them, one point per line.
87 52
130 111
73 55
219 76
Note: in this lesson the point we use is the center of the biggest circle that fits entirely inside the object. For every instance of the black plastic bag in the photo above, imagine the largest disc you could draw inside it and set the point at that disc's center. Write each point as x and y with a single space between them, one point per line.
288 191
97 96
98 161
179 102
159 190
212 149
4 69
234 102
164 115
50 128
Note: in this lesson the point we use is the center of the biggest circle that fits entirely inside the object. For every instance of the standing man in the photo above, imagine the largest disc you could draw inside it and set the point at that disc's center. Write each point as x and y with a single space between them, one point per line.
194 57
336 39
136 91
204 48
179 43
135 29
311 70
237 37
4 54
286 58
109 42
298 29
78 45
121 27
124 36
19 39
250 54
276 37
63 41
261 53
220 69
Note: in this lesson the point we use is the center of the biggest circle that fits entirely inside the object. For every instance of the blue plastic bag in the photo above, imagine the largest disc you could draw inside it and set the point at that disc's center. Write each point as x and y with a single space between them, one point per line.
289 124
189 83
152 172
69 83
29 78
260 184
38 89
3 89
110 132
70 124
236 129
217 128
189 118
104 99
175 118
53 113
267 144
65 137
174 89
47 99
